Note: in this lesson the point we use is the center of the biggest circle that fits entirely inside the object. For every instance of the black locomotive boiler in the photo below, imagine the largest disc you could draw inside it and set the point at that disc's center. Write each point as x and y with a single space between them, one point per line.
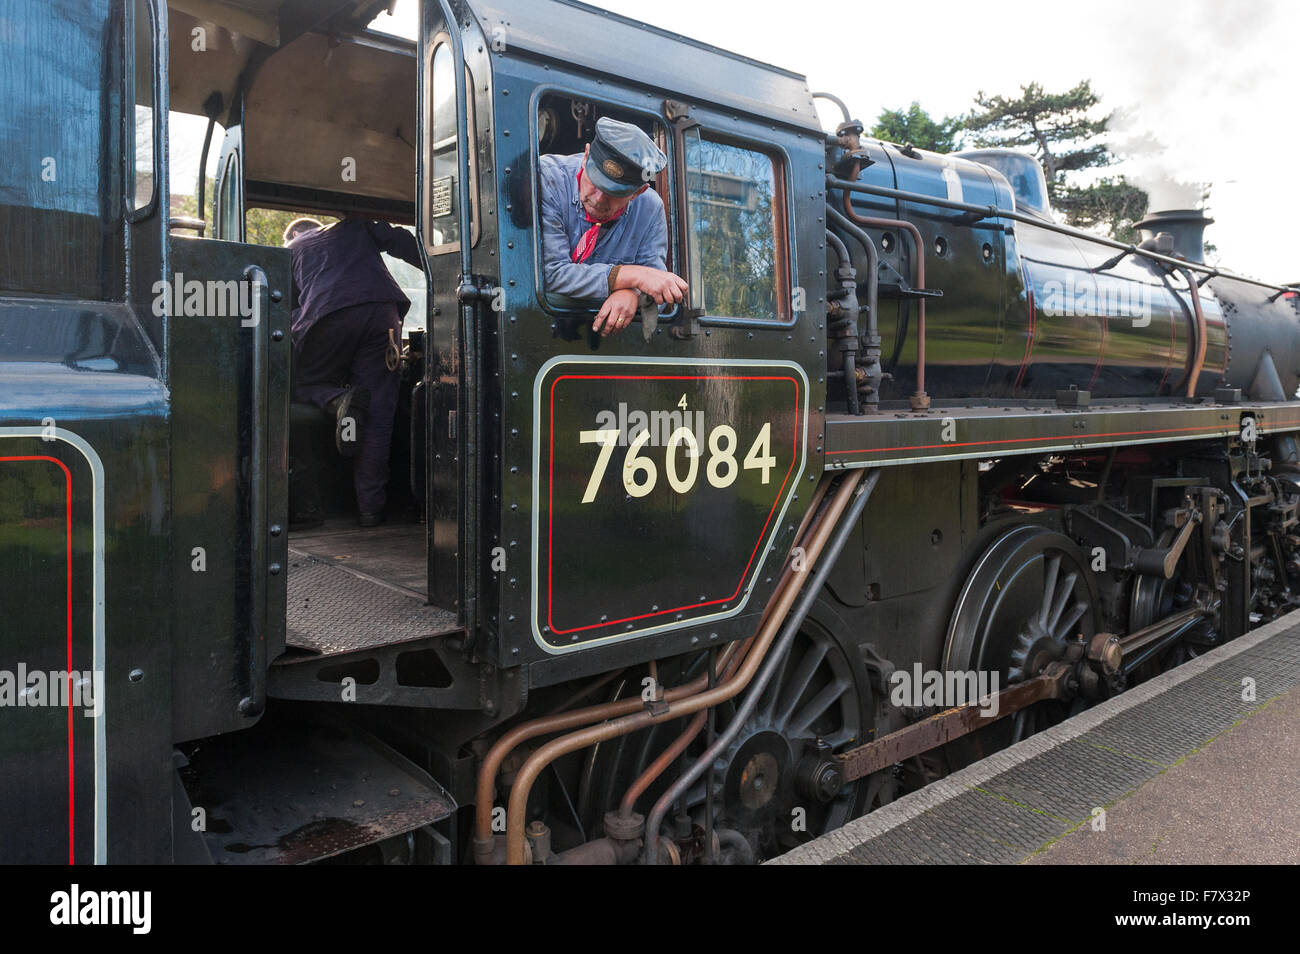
657 592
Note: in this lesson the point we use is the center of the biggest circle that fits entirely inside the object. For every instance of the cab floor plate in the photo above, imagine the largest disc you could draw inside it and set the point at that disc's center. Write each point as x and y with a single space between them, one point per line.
333 609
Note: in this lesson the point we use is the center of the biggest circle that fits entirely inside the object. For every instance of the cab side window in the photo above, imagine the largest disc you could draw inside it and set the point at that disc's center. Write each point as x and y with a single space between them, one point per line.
565 125
735 227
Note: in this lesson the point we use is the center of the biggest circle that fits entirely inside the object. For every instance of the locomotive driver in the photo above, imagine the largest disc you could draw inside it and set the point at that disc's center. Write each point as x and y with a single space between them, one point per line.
604 234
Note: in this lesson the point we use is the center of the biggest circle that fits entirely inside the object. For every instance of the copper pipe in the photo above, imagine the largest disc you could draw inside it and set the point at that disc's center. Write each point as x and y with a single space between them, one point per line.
724 672
545 725
656 768
559 722
779 607
920 399
665 759
1198 362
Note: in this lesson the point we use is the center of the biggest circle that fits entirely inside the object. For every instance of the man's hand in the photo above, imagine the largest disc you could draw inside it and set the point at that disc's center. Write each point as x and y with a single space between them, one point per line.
617 312
664 287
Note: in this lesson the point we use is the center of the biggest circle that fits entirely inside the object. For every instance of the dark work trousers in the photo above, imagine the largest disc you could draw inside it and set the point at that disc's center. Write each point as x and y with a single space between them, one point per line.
347 347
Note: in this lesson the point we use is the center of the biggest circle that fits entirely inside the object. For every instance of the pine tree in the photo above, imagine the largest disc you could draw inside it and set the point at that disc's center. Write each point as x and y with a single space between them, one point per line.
1064 134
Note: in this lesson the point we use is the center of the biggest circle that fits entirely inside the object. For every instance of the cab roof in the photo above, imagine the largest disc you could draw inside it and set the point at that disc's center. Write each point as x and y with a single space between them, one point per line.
586 37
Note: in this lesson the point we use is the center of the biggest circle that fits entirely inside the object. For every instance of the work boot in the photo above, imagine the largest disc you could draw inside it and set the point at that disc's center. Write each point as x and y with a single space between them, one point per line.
349 411
370 519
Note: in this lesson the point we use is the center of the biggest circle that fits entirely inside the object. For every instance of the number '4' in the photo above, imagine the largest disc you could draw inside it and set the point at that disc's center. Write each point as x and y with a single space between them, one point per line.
760 455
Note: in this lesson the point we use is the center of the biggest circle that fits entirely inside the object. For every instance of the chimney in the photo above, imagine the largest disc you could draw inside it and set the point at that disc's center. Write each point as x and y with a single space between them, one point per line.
1187 226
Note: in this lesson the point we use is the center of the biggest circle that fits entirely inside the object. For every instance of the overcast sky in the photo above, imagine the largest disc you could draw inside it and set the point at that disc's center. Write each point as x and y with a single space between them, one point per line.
1206 90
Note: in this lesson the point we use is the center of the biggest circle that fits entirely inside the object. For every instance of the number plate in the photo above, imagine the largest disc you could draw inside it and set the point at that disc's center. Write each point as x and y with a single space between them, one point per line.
658 488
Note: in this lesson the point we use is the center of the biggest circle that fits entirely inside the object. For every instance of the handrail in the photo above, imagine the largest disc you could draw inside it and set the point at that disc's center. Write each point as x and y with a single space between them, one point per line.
994 212
254 701
467 294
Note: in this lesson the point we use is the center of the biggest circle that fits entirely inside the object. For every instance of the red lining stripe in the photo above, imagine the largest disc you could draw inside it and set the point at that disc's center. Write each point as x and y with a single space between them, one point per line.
550 508
1055 437
67 500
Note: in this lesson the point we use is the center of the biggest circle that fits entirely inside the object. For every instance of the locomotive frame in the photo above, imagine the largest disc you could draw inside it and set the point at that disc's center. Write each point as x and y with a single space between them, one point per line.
916 461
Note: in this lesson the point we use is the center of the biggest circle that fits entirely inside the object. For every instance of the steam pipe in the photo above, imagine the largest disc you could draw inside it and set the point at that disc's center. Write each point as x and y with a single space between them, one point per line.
778 607
724 673
665 759
487 773
845 521
838 102
845 329
657 767
920 400
1198 362
483 840
872 369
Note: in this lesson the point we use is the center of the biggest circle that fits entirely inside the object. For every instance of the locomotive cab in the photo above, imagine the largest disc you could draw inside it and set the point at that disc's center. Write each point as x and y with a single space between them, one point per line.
1022 171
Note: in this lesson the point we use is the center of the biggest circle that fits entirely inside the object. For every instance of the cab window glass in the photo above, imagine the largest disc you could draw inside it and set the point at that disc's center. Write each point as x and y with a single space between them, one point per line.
141 192
443 164
733 220
565 126
61 202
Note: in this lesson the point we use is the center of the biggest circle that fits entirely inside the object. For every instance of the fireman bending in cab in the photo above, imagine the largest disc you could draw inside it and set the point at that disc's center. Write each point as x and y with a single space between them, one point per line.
604 234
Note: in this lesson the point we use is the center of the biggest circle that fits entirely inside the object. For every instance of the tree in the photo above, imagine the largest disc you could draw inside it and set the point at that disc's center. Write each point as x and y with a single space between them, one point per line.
266 226
914 125
1110 204
1064 133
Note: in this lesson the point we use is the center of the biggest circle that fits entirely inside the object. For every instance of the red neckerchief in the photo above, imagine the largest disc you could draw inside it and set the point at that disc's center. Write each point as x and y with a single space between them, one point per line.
587 244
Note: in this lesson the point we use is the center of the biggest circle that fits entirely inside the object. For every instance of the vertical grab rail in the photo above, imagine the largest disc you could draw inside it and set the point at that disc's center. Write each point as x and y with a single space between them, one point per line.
254 701
467 294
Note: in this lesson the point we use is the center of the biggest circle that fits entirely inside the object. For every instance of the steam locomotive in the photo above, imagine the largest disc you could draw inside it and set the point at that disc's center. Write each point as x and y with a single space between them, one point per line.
658 587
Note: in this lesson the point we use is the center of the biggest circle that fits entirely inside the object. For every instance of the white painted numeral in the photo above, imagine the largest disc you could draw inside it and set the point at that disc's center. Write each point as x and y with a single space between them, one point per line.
634 464
608 439
682 435
760 455
722 456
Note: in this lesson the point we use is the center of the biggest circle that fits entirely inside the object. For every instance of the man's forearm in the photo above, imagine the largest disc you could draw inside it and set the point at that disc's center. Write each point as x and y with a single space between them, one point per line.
627 276
577 280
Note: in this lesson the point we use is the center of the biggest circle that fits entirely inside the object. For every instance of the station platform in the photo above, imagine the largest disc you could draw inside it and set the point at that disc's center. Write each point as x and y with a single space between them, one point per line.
1186 770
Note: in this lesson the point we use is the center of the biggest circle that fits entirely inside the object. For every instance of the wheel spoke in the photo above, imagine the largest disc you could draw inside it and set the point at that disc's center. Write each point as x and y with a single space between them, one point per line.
815 707
1059 604
1064 630
1049 588
798 683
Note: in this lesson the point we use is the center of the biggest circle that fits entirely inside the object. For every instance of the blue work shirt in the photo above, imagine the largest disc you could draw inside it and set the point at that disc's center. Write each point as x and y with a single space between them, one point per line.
339 266
637 237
